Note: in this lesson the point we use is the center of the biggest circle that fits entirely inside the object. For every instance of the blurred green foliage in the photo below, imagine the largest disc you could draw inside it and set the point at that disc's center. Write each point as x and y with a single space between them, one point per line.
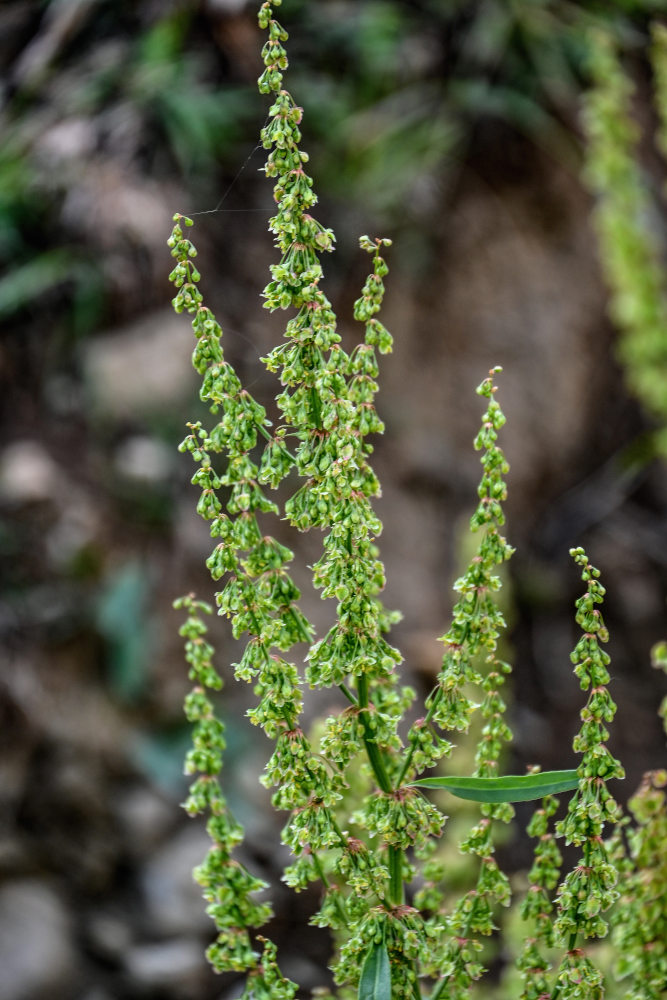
123 622
403 93
199 123
627 217
398 90
155 71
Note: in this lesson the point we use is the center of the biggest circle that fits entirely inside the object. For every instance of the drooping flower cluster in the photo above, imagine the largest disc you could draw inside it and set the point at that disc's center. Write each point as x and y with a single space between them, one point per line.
589 890
258 596
474 633
357 823
640 927
327 405
639 920
477 621
227 885
538 906
327 410
328 398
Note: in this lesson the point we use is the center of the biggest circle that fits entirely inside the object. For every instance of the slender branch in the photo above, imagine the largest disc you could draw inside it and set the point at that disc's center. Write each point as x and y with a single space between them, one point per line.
396 893
373 752
348 694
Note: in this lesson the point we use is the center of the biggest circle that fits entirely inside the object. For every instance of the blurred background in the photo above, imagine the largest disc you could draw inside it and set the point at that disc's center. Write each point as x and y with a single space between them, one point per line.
452 126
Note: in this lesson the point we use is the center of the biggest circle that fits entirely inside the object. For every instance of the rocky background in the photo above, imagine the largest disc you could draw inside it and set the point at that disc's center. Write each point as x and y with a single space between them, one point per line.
455 131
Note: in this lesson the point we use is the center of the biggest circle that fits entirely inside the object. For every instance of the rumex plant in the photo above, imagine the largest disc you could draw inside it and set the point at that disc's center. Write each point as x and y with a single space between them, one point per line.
624 208
359 823
640 924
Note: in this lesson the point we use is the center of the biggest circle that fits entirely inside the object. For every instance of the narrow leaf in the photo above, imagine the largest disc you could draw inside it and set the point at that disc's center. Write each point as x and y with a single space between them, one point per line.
375 982
510 788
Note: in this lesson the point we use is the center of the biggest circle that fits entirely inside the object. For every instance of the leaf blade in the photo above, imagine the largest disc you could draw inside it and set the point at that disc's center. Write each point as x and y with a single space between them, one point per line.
509 788
375 981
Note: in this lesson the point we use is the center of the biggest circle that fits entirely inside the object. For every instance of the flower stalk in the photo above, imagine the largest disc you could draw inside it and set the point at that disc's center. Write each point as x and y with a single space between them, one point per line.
359 823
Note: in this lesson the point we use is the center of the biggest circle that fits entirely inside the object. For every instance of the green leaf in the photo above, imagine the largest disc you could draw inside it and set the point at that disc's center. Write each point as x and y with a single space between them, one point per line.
510 788
20 286
375 982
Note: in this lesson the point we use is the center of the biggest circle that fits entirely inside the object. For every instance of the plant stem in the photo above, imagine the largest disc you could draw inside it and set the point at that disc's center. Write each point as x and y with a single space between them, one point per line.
396 896
304 635
348 694
263 431
375 757
376 761
438 990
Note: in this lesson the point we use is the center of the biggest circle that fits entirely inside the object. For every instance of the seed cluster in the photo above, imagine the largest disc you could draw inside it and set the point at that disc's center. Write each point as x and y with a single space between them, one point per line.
356 824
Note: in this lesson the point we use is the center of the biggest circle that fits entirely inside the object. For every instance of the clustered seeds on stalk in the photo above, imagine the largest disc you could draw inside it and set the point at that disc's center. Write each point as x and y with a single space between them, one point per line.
358 824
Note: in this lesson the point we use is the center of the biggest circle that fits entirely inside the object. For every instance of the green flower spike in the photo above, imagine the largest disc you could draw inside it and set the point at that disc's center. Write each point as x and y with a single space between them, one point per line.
590 888
226 884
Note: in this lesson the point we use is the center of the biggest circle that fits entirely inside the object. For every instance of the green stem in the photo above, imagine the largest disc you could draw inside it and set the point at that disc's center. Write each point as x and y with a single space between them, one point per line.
376 761
396 896
263 431
339 833
299 624
375 757
438 991
571 945
464 934
348 694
